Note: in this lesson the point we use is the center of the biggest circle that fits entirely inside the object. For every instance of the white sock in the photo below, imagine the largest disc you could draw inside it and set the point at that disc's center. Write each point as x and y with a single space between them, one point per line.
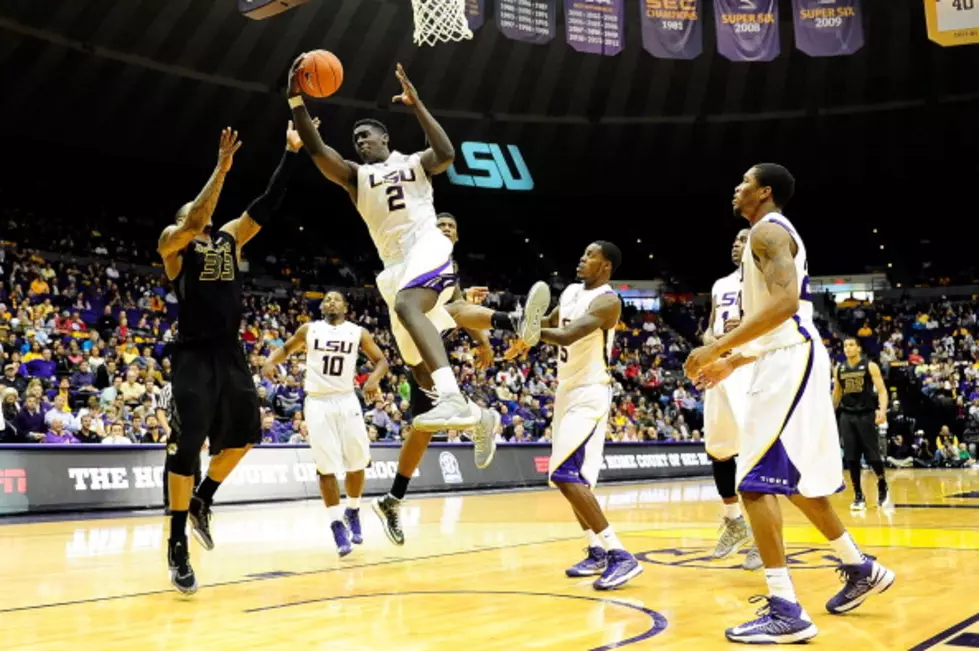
335 513
445 380
353 502
732 511
847 550
593 539
780 584
609 539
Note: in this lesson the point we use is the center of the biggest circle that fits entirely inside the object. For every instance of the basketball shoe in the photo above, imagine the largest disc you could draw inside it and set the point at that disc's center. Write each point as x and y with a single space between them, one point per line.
181 573
779 622
351 517
734 536
593 565
621 568
388 509
199 515
862 581
340 537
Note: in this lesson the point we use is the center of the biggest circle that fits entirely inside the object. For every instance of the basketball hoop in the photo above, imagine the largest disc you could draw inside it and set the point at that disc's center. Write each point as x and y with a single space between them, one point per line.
440 21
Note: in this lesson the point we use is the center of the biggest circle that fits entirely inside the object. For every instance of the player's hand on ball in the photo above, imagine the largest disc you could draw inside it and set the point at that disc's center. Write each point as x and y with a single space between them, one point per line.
408 94
477 295
293 141
226 149
713 374
518 348
293 88
484 357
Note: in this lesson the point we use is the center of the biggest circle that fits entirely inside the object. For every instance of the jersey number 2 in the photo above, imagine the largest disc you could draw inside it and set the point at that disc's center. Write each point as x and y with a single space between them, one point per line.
333 366
396 198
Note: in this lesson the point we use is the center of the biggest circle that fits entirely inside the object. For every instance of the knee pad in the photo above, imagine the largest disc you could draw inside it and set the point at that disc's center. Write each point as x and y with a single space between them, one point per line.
725 477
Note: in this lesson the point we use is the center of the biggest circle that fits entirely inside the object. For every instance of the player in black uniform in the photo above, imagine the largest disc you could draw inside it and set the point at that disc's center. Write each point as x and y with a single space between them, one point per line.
860 411
214 397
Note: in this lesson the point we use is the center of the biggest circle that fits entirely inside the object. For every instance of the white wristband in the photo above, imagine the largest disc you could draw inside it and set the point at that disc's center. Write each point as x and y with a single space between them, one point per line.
295 101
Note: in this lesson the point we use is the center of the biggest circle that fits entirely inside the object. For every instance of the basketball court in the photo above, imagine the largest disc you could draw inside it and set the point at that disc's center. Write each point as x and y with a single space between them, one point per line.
482 571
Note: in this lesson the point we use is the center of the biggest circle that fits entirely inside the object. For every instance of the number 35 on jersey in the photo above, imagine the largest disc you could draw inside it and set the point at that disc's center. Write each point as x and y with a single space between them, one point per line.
952 22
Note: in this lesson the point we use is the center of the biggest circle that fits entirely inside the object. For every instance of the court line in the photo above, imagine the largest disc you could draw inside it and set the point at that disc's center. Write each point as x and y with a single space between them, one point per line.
389 561
659 621
937 506
948 632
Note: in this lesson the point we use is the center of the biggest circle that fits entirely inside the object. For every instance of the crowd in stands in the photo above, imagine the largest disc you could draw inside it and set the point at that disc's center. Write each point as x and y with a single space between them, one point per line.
84 357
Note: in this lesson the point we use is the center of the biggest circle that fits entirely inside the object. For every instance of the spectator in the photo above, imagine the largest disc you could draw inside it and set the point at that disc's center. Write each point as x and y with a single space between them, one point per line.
58 434
117 435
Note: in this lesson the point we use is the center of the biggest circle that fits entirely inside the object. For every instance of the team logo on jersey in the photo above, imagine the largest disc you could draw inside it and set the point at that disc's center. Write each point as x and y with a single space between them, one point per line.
797 557
451 473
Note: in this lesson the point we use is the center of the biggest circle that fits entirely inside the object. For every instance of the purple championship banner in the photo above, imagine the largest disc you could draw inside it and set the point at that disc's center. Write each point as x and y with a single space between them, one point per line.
595 26
747 30
672 29
530 21
39 478
828 28
475 13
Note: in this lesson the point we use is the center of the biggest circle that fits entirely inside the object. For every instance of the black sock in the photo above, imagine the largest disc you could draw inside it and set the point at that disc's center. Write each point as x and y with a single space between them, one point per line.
178 525
855 478
206 490
878 467
400 486
503 321
724 477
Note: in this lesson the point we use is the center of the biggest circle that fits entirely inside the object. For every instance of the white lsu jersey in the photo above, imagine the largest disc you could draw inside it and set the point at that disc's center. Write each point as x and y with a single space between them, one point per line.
331 357
585 361
396 200
725 296
754 294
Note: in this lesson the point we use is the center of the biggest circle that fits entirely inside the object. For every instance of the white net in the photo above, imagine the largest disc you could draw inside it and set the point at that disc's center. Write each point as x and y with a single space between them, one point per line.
440 21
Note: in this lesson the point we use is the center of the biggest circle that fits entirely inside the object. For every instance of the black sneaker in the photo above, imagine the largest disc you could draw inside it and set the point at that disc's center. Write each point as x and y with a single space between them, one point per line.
859 504
388 509
200 522
884 500
181 573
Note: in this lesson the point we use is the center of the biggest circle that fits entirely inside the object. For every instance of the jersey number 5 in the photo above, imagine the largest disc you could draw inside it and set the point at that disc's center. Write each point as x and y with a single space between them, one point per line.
563 352
218 266
396 198
333 366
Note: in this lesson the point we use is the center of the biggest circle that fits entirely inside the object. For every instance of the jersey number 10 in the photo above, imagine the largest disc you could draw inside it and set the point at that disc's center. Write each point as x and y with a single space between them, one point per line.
333 366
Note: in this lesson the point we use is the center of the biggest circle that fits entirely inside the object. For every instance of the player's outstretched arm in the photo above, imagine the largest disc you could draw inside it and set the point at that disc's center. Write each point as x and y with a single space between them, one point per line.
328 160
437 158
294 344
603 313
261 211
372 387
195 216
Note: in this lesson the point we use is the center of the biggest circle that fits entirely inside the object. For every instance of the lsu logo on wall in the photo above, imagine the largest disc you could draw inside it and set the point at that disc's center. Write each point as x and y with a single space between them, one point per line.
488 168
797 557
451 473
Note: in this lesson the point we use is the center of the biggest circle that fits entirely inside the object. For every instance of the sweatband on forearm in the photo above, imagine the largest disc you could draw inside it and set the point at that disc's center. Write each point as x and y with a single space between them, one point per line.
262 208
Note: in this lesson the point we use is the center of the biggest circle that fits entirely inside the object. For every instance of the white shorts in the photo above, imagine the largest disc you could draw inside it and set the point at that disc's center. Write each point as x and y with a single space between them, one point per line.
578 429
790 443
428 264
724 412
337 433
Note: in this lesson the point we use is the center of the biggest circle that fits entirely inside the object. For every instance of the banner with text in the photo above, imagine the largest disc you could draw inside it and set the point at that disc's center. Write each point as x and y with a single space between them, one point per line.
530 21
828 28
747 30
672 29
475 13
81 477
595 26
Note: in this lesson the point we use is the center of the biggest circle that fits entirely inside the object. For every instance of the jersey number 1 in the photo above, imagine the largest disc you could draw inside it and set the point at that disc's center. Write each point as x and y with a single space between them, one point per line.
333 366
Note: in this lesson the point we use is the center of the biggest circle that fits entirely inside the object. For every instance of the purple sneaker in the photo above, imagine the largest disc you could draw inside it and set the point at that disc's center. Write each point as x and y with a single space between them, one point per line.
863 580
779 622
351 517
593 565
622 566
340 536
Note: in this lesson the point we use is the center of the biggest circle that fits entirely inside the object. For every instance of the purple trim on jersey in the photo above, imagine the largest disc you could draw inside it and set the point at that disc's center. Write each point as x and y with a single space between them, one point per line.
783 225
434 279
775 473
569 472
803 331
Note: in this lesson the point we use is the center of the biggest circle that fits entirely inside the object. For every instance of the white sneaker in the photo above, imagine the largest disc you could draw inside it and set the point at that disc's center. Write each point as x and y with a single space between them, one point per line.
451 411
484 437
538 300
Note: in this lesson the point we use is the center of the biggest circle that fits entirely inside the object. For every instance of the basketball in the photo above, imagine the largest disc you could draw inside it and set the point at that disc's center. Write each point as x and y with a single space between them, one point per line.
320 74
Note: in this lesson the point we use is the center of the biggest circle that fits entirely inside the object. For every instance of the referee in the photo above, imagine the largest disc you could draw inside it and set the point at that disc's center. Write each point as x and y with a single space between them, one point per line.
855 383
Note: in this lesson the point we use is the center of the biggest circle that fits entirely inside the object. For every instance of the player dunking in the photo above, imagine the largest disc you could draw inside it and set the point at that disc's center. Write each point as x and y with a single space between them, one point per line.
393 194
724 414
583 326
789 442
856 381
337 434
214 397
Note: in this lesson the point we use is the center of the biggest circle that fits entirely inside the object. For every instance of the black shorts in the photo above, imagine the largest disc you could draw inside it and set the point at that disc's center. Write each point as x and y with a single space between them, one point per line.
214 398
858 430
